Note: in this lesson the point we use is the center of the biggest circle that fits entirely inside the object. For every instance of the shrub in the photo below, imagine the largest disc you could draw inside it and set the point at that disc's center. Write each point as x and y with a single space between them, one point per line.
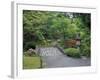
85 46
61 43
27 53
85 50
29 45
72 52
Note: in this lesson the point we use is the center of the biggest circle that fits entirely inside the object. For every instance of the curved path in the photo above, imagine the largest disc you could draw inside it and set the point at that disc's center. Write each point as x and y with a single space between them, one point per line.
52 57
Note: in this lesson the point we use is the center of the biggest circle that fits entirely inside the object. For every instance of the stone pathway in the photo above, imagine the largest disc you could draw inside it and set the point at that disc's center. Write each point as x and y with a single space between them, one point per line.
53 58
52 51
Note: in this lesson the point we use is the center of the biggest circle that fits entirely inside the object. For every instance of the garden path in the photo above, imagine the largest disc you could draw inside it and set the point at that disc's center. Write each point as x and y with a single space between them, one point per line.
52 57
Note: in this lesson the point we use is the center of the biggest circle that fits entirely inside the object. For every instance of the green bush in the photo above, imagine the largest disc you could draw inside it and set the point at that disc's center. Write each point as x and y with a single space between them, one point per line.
29 45
85 50
30 54
86 46
72 52
61 43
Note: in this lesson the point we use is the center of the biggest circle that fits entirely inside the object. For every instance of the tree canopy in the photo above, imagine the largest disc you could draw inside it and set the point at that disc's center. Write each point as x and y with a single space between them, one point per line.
41 27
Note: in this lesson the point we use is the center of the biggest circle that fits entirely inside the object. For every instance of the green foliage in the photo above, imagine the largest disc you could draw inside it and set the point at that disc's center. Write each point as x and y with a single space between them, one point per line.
72 30
29 54
85 47
72 52
29 45
44 27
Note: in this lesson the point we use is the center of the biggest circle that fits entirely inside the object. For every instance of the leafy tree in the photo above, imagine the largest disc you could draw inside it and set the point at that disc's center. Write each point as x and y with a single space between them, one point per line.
42 27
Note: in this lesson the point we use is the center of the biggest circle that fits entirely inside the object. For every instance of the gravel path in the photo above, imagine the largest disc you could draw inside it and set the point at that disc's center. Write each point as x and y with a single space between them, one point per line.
53 58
